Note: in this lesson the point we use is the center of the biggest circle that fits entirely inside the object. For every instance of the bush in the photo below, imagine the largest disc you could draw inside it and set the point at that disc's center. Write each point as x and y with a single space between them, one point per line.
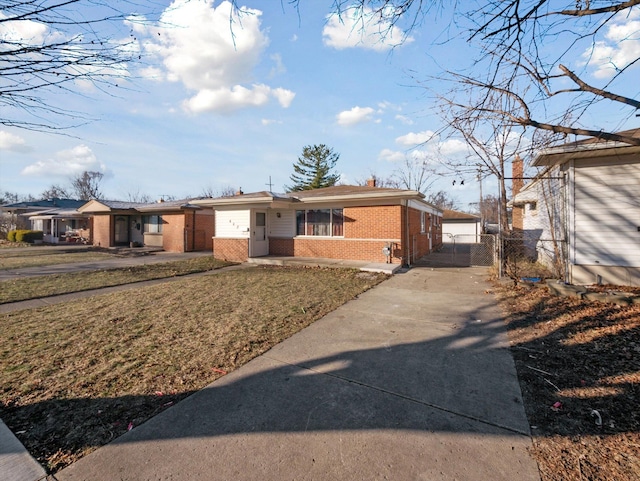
29 236
11 236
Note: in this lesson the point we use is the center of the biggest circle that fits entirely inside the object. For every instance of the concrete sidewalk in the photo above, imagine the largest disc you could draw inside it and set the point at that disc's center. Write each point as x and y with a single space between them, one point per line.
112 263
412 380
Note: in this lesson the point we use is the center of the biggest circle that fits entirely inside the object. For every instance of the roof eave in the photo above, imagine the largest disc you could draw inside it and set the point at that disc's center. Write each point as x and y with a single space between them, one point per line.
556 155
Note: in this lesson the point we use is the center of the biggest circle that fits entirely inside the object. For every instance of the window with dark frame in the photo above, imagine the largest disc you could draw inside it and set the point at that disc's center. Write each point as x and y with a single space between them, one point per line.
320 222
152 224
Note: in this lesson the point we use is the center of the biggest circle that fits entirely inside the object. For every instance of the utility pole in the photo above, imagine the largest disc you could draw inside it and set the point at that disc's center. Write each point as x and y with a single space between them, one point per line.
270 184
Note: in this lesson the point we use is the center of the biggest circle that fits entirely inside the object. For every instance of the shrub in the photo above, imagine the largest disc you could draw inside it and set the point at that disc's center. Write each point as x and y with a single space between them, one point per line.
29 236
11 236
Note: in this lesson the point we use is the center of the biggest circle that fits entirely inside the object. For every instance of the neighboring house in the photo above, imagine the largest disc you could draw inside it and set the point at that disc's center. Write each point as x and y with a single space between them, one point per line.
342 222
58 219
582 212
175 226
466 226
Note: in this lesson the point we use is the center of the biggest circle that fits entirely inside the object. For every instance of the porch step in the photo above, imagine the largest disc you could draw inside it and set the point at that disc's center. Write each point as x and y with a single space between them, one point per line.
324 262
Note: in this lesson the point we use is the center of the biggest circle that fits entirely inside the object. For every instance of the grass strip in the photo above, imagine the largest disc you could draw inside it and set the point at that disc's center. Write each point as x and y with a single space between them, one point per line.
39 259
23 289
77 375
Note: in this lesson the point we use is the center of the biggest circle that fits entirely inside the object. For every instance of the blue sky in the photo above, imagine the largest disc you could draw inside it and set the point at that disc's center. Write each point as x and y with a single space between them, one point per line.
204 113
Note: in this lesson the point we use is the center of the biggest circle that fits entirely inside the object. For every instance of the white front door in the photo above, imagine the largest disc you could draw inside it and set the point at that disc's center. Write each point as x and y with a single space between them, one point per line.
259 242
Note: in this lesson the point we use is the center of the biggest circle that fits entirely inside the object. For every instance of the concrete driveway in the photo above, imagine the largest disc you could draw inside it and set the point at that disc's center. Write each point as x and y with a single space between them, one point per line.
411 381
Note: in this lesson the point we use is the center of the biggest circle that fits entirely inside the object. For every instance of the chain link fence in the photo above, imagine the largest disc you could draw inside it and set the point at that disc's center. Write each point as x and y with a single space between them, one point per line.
531 254
472 250
516 255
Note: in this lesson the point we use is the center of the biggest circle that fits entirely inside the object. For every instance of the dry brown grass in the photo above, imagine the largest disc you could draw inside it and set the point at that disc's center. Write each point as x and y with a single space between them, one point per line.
51 285
578 367
76 375
35 258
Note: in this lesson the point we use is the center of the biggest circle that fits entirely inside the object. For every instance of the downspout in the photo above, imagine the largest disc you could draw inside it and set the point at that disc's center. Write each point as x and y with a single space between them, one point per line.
193 233
407 247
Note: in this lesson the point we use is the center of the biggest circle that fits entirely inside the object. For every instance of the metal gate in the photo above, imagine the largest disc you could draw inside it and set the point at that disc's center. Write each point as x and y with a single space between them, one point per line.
465 250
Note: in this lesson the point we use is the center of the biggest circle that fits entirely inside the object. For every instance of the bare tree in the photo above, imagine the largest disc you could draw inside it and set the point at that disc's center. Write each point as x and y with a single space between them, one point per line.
415 173
490 209
52 46
211 192
443 200
493 143
138 197
536 52
86 186
56 191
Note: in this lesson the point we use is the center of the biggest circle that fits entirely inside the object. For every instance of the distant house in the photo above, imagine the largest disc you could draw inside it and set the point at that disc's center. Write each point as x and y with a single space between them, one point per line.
58 219
466 226
174 226
582 212
342 222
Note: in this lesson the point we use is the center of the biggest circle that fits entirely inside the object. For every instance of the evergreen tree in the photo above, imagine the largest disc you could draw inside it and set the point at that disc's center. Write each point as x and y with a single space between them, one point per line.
313 170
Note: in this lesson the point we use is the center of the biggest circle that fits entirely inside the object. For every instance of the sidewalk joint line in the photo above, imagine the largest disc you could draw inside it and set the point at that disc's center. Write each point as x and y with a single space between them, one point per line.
405 397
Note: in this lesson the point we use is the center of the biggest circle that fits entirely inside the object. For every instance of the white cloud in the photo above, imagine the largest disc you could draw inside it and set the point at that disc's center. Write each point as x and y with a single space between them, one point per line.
404 119
214 57
25 32
12 142
362 28
278 67
391 155
356 115
226 100
284 96
266 122
453 147
620 47
415 138
66 163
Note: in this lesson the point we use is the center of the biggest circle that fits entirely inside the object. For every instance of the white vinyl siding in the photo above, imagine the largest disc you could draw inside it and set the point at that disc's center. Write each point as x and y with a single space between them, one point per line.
233 223
607 213
283 226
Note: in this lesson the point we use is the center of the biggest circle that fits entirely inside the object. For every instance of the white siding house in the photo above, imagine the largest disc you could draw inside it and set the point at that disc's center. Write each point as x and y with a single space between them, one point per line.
588 201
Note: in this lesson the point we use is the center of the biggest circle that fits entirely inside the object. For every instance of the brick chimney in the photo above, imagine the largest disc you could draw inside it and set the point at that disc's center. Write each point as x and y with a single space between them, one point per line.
371 182
517 174
517 182
239 191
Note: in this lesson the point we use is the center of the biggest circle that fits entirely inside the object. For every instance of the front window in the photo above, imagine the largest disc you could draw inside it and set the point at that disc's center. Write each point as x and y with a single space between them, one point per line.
152 224
320 222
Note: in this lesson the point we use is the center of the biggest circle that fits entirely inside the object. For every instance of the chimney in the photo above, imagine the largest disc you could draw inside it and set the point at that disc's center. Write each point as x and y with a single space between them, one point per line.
517 182
517 174
239 192
371 182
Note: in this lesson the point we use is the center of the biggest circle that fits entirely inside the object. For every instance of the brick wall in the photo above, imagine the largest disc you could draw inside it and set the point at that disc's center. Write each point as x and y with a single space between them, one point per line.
102 230
205 230
173 226
517 212
331 248
236 250
376 222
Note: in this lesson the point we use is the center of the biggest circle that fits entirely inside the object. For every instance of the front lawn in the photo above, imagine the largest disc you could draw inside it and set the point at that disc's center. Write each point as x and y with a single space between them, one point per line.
77 375
25 288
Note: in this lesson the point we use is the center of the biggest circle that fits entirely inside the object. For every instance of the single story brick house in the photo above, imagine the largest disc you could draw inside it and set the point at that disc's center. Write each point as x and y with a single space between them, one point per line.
341 222
58 219
175 226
